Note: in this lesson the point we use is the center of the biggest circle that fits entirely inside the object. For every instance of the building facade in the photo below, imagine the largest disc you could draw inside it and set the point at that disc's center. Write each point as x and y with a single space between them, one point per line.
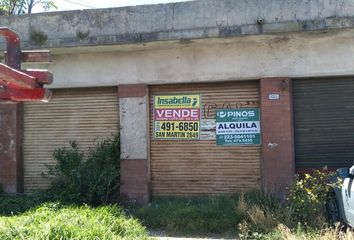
282 72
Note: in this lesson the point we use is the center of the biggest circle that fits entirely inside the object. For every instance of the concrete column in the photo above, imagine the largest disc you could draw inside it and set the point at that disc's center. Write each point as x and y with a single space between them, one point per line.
11 162
277 134
133 107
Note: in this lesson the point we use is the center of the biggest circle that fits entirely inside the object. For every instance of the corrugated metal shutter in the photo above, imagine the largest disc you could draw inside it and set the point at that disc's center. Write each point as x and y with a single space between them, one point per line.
201 167
324 122
82 115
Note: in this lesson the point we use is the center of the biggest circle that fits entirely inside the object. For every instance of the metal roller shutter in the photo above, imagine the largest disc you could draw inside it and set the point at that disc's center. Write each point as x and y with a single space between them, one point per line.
187 168
82 115
323 122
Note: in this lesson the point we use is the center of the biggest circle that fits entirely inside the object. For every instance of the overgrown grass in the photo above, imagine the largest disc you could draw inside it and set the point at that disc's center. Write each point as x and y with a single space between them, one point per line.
191 217
53 221
284 233
226 215
258 216
266 218
255 215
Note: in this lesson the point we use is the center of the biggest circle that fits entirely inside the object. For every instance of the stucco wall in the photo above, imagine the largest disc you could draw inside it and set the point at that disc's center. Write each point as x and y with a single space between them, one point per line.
201 41
238 58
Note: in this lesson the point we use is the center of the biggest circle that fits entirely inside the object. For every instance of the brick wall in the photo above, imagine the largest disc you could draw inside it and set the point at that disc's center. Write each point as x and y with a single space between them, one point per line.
277 134
133 104
11 162
134 180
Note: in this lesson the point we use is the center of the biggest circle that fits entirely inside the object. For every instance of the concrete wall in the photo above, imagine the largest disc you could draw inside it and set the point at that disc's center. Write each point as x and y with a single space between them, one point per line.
201 41
237 58
185 20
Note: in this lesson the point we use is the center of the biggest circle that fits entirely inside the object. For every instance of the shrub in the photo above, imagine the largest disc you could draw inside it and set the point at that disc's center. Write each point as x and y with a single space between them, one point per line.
307 196
93 179
303 212
13 204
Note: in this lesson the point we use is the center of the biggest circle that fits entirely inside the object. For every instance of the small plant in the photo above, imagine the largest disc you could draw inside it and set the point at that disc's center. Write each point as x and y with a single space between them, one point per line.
38 37
262 213
308 195
82 35
93 179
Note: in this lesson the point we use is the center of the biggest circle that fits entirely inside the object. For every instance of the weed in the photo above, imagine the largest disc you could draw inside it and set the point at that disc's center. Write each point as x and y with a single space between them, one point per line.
284 233
260 216
38 37
82 35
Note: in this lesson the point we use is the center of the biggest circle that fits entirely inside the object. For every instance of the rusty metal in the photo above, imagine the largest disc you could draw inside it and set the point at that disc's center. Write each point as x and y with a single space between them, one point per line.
16 79
188 168
36 56
13 48
17 85
26 95
42 56
42 76
74 114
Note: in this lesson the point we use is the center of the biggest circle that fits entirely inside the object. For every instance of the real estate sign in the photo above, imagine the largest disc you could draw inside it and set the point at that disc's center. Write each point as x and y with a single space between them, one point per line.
177 117
238 126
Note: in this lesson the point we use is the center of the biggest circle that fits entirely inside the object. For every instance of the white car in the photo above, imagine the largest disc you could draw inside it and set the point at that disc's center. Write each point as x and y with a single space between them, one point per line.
340 203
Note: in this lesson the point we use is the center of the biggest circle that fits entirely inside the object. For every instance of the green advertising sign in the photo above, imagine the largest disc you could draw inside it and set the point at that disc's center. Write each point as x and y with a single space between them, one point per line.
238 126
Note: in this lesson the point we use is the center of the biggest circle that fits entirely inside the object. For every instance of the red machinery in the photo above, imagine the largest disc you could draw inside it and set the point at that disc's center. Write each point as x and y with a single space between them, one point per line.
22 85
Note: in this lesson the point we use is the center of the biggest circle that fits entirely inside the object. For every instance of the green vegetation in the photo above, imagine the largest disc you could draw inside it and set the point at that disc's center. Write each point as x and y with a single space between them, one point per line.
301 216
198 216
38 37
61 211
307 196
17 204
17 7
53 221
254 215
82 35
246 215
91 179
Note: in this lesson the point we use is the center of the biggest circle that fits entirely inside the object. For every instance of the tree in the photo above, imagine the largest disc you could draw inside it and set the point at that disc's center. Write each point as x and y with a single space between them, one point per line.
16 7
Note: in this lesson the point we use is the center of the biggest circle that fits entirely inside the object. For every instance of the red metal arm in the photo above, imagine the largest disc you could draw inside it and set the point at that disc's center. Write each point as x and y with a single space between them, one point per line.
13 48
16 85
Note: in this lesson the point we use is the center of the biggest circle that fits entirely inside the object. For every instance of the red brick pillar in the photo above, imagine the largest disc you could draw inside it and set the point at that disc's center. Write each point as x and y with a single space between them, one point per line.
11 162
277 134
133 105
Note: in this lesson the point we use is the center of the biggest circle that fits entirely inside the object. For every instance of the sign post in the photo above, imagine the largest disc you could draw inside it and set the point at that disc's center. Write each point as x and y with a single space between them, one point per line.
238 126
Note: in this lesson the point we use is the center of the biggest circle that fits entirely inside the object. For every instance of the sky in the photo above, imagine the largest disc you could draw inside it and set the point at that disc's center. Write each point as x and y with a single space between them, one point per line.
64 5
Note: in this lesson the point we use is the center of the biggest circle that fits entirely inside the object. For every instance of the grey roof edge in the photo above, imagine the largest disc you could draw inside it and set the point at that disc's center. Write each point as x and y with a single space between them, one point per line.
178 21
